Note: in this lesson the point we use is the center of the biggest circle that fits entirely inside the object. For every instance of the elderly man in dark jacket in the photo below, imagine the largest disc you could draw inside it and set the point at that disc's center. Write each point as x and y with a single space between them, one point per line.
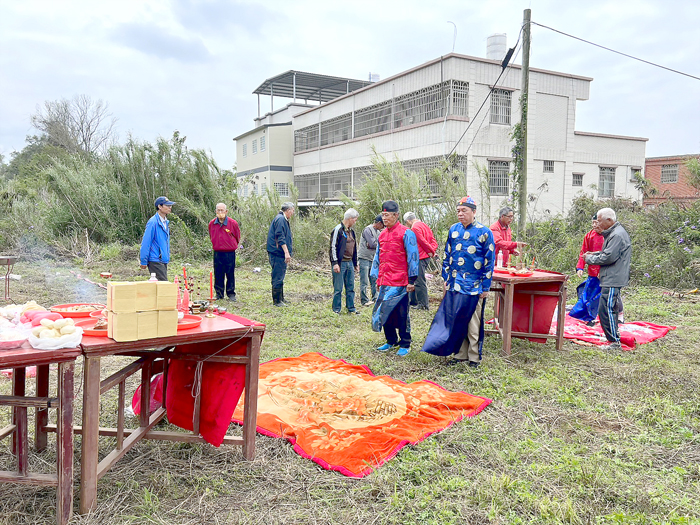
279 250
614 261
343 256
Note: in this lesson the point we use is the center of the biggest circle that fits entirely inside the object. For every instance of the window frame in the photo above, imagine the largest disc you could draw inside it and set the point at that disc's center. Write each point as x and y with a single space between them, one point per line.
496 175
673 175
606 182
501 107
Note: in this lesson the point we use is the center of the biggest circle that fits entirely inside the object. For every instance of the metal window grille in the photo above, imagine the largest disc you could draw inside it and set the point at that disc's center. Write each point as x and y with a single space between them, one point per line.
255 146
333 183
548 166
282 188
337 129
306 138
460 98
422 105
263 188
245 150
498 177
427 164
245 190
262 143
669 173
606 182
373 119
500 106
578 179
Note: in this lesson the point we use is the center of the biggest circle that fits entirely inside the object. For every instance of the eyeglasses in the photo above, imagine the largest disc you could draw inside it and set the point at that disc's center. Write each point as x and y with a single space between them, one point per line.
509 216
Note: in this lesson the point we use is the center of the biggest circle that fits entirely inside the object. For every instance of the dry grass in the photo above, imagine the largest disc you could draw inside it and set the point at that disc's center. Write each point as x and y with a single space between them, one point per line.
576 436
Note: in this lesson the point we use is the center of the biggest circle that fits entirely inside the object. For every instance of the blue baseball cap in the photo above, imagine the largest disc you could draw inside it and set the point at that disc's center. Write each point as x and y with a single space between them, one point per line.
163 201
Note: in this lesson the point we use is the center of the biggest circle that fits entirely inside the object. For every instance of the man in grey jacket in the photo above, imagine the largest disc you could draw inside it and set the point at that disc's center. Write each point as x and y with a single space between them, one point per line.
614 260
368 245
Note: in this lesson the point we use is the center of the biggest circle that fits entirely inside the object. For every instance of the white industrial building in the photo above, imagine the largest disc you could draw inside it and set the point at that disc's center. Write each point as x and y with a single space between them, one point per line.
419 115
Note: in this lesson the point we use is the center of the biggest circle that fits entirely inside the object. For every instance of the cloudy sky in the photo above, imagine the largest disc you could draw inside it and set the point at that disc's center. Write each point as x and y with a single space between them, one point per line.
192 65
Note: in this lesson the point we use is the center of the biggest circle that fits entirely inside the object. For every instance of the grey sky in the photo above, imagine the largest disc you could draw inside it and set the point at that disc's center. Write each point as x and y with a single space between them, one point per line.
191 66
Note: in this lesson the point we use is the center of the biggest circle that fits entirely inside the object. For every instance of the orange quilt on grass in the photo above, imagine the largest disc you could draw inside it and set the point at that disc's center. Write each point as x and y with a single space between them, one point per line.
344 418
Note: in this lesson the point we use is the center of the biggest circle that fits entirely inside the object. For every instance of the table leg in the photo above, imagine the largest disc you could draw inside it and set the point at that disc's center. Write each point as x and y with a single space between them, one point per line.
64 448
250 408
145 414
91 428
508 316
42 414
561 321
19 415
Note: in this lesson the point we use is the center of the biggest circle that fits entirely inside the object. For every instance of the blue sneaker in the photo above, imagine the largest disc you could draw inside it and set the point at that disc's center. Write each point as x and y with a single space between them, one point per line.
403 352
385 347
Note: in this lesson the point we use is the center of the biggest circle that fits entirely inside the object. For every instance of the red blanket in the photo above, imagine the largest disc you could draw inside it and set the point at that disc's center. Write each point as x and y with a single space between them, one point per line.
344 418
631 334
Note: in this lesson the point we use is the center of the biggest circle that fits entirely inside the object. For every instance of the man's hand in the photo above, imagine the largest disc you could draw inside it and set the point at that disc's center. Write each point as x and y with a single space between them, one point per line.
483 295
521 244
516 252
410 287
336 268
579 273
287 259
143 266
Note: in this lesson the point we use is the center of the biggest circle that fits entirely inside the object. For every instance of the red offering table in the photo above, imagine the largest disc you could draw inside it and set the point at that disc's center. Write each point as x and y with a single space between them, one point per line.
19 359
207 342
525 305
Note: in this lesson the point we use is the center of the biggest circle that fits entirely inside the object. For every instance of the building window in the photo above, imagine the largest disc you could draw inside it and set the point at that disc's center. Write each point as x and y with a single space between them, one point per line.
500 106
373 119
498 177
548 166
245 190
336 130
262 143
255 146
282 188
669 173
606 183
636 173
245 150
578 179
306 138
263 188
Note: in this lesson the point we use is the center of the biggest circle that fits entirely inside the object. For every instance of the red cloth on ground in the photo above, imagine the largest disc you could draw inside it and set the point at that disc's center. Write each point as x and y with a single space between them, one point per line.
631 334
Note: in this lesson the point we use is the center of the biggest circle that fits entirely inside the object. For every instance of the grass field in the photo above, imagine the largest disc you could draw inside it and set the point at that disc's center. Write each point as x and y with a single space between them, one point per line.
574 436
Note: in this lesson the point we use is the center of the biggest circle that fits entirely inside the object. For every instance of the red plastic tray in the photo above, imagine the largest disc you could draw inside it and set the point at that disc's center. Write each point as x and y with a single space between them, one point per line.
500 270
88 328
188 322
526 274
57 309
97 314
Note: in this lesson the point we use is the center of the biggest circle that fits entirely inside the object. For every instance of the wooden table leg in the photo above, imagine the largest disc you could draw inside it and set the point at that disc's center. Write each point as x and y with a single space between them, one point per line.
145 414
508 316
250 408
561 321
42 414
19 416
91 428
64 448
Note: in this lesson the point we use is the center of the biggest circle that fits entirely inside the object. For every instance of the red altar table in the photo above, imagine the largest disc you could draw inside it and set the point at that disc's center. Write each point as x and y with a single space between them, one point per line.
19 359
206 343
525 305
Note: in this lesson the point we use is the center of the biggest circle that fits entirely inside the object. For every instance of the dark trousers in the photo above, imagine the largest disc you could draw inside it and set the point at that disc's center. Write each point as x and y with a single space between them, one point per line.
608 311
398 321
160 269
346 278
419 297
224 269
279 270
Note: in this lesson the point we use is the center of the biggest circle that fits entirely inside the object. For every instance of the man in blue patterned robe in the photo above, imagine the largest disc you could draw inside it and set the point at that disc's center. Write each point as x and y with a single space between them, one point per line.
467 271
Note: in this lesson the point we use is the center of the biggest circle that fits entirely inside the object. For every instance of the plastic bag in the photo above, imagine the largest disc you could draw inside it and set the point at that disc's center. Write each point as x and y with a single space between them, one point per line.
54 343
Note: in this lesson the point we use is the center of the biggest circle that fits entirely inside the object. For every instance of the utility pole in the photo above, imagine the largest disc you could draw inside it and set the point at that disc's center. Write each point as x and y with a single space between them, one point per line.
522 206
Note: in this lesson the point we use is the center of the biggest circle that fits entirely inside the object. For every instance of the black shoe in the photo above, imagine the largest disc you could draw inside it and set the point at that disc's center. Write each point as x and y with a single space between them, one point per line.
590 323
474 364
454 361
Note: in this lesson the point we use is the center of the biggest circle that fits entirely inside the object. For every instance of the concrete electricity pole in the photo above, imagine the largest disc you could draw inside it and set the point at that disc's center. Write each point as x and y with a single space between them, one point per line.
522 205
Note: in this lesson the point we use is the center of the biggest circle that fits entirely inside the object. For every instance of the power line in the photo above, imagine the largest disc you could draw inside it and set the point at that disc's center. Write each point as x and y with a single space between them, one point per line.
486 98
618 52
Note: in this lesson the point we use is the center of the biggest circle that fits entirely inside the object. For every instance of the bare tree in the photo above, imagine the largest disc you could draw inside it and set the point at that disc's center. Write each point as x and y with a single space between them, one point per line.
78 125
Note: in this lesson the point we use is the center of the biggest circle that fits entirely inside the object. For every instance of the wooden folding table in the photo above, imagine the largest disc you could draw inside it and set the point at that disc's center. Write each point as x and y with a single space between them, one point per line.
152 355
525 305
19 359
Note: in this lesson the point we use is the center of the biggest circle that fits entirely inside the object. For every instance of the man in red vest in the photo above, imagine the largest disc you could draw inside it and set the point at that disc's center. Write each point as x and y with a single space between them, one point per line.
225 236
503 235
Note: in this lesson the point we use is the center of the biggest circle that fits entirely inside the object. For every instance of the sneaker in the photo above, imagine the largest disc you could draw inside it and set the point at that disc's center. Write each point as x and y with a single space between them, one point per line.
366 303
354 312
232 298
621 319
403 352
385 347
281 304
336 313
612 347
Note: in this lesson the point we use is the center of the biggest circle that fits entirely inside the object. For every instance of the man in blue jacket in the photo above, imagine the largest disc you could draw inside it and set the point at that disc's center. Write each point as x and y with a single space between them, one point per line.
155 246
279 250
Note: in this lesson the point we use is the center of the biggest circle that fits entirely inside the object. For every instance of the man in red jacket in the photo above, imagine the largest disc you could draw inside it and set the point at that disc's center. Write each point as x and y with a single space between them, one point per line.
225 235
427 246
503 235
